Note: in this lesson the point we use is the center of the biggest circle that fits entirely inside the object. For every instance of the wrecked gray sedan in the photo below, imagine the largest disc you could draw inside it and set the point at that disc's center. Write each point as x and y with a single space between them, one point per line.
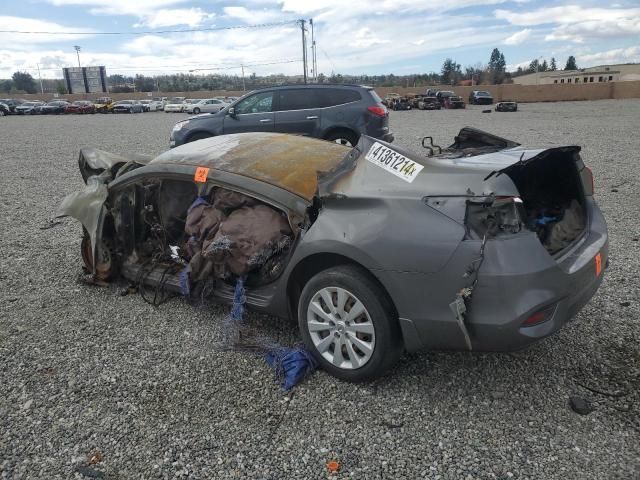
373 250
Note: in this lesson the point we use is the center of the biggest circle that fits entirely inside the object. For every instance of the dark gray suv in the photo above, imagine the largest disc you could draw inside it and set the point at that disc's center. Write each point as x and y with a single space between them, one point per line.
339 113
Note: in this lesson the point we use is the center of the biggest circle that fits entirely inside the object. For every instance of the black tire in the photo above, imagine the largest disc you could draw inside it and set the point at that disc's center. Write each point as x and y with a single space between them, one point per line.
196 111
2 112
388 340
343 137
198 136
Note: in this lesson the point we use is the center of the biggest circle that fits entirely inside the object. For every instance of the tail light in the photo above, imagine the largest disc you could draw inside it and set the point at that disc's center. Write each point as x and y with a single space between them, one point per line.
590 174
540 316
378 110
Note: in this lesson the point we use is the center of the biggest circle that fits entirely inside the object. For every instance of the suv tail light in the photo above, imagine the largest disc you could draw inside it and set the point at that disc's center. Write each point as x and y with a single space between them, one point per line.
378 110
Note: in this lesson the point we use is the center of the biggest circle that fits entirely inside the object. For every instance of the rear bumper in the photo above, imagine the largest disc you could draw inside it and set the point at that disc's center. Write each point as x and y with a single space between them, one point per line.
517 279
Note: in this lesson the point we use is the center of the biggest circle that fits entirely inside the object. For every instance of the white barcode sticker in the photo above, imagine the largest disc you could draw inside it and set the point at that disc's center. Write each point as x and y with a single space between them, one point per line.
393 162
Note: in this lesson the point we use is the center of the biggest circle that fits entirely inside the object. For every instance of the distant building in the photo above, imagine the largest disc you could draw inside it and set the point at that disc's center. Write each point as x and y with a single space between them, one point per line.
603 73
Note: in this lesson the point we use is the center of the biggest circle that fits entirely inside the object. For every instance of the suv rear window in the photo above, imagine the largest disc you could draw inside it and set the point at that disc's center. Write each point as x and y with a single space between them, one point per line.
338 96
298 99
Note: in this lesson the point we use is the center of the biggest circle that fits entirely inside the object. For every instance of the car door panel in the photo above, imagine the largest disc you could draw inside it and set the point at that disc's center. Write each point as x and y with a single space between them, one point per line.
298 112
253 114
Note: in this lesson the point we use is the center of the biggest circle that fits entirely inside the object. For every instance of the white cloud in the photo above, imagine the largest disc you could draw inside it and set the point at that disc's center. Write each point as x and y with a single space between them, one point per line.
152 13
518 37
578 24
567 14
18 41
192 17
617 55
252 16
119 7
364 38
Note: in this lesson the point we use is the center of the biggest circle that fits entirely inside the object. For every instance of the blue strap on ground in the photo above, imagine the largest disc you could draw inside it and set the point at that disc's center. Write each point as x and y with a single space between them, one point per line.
291 365
239 299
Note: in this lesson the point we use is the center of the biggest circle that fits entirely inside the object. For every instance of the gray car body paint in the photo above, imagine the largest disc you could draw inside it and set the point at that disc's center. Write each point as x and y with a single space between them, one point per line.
411 238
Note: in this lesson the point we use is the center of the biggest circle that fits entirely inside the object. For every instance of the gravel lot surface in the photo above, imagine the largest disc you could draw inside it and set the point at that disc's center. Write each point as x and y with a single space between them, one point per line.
95 384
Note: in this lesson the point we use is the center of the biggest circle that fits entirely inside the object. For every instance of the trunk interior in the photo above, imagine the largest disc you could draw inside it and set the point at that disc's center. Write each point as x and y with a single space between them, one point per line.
553 198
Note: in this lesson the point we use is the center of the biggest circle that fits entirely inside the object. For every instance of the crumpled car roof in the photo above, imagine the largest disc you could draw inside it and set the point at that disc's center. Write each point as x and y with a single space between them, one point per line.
291 162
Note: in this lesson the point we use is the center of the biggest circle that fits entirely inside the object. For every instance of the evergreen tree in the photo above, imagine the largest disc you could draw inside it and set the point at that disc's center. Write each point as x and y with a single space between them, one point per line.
571 63
553 66
497 66
451 72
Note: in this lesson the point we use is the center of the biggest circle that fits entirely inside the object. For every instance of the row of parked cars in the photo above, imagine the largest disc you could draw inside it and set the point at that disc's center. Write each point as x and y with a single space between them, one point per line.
435 100
14 106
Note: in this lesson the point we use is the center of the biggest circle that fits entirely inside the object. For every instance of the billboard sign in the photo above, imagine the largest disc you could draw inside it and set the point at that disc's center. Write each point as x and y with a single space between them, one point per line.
85 79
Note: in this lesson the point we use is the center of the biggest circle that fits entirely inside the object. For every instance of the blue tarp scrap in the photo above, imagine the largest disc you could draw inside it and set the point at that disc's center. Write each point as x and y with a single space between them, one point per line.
544 220
291 365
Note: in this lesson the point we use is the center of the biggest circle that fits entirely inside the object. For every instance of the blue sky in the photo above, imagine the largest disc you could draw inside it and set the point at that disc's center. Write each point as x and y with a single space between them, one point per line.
354 36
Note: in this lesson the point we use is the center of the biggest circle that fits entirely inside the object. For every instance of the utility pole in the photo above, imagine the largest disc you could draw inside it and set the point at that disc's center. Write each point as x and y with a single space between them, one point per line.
304 49
244 89
314 63
77 47
40 78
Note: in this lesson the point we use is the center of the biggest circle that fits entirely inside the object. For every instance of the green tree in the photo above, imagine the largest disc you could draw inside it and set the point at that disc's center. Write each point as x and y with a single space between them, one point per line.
24 81
60 87
571 63
553 66
497 66
544 67
6 85
534 66
451 72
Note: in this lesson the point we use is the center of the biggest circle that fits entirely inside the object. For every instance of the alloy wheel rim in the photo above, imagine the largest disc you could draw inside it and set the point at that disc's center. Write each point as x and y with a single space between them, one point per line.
343 141
340 328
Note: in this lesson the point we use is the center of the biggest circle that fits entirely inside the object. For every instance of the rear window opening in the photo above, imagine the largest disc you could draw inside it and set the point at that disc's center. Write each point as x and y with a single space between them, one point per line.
171 235
552 199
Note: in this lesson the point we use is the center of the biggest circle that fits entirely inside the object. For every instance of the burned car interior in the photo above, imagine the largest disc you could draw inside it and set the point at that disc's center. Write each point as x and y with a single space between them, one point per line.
181 236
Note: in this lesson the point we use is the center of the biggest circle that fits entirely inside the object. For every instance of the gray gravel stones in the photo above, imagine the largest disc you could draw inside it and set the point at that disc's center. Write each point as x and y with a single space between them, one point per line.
84 369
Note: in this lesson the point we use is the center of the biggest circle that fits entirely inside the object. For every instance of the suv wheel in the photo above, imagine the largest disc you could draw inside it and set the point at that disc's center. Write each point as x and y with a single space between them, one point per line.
348 325
343 137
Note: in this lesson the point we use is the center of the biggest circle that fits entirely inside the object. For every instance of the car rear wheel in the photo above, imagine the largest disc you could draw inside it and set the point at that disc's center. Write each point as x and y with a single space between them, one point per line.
343 137
2 112
196 111
348 325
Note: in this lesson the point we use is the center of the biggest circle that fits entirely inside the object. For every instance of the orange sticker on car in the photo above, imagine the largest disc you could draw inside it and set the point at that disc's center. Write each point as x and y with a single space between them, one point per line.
598 260
201 175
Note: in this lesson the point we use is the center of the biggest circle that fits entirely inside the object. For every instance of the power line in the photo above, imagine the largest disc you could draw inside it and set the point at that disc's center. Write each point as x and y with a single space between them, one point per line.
158 32
191 68
187 65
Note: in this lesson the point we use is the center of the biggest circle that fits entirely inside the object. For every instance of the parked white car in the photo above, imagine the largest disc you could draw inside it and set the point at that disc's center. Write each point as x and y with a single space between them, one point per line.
175 104
207 105
155 104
